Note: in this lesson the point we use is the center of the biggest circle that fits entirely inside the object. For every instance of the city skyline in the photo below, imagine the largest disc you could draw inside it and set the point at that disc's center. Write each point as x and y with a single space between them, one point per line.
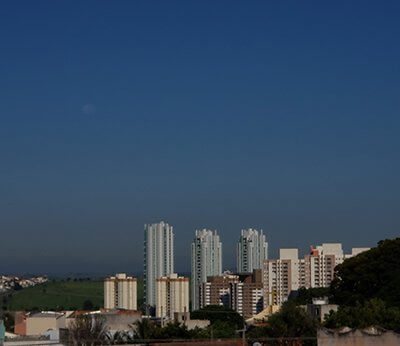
281 116
269 283
233 257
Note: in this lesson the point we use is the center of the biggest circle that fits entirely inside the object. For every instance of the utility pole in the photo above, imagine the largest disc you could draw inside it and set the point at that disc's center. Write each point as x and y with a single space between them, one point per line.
243 331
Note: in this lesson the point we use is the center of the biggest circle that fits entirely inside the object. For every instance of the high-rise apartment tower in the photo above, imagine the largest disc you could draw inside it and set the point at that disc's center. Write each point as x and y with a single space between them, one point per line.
158 257
252 250
206 260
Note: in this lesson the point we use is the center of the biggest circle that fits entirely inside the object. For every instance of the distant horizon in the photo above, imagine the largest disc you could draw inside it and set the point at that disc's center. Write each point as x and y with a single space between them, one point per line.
138 273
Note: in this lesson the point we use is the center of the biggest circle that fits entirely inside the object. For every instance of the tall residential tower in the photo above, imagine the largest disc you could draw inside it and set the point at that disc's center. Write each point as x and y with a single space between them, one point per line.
158 257
252 250
206 260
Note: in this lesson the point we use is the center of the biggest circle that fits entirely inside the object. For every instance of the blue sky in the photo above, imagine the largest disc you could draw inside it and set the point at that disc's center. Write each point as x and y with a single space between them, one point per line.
275 115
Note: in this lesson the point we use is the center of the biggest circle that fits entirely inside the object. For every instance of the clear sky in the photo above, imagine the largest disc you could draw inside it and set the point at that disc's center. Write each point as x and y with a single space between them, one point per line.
280 115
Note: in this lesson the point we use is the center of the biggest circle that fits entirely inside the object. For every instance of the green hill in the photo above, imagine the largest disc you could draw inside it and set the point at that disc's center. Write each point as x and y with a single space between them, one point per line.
60 295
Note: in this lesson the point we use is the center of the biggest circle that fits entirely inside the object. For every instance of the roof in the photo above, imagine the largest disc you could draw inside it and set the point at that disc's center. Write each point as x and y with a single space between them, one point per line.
46 314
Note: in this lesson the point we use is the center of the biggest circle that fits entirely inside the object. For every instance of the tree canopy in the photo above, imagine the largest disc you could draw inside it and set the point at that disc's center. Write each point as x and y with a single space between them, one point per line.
304 296
148 330
371 274
290 321
218 313
88 330
372 313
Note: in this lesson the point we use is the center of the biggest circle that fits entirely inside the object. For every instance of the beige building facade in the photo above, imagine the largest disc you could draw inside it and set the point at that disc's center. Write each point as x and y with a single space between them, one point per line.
172 296
281 276
288 273
320 263
38 323
120 292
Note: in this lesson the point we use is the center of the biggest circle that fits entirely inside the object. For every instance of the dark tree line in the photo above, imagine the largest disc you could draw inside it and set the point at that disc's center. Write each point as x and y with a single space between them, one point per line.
366 288
371 274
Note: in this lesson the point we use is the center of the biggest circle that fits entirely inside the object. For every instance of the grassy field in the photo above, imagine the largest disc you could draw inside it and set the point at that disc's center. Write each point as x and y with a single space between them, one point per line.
60 295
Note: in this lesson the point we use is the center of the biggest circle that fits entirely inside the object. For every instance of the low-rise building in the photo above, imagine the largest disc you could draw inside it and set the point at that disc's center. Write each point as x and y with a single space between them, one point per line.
8 283
114 320
320 308
37 324
184 319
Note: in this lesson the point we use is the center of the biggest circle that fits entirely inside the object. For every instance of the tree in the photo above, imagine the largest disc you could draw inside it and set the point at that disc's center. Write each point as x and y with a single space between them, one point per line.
372 313
290 321
371 274
222 329
87 305
9 321
216 313
143 329
305 295
121 338
88 330
173 330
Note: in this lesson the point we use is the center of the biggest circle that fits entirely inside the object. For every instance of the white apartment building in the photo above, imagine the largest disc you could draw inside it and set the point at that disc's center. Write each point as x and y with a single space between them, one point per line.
158 257
281 276
206 261
252 250
120 292
356 251
288 273
172 295
320 263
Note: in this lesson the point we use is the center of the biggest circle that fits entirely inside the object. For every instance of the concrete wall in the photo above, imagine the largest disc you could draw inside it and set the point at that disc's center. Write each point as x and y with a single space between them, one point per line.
358 338
39 325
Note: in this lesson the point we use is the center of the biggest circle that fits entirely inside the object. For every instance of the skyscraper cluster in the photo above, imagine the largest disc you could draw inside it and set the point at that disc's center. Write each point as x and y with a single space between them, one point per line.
206 262
259 282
